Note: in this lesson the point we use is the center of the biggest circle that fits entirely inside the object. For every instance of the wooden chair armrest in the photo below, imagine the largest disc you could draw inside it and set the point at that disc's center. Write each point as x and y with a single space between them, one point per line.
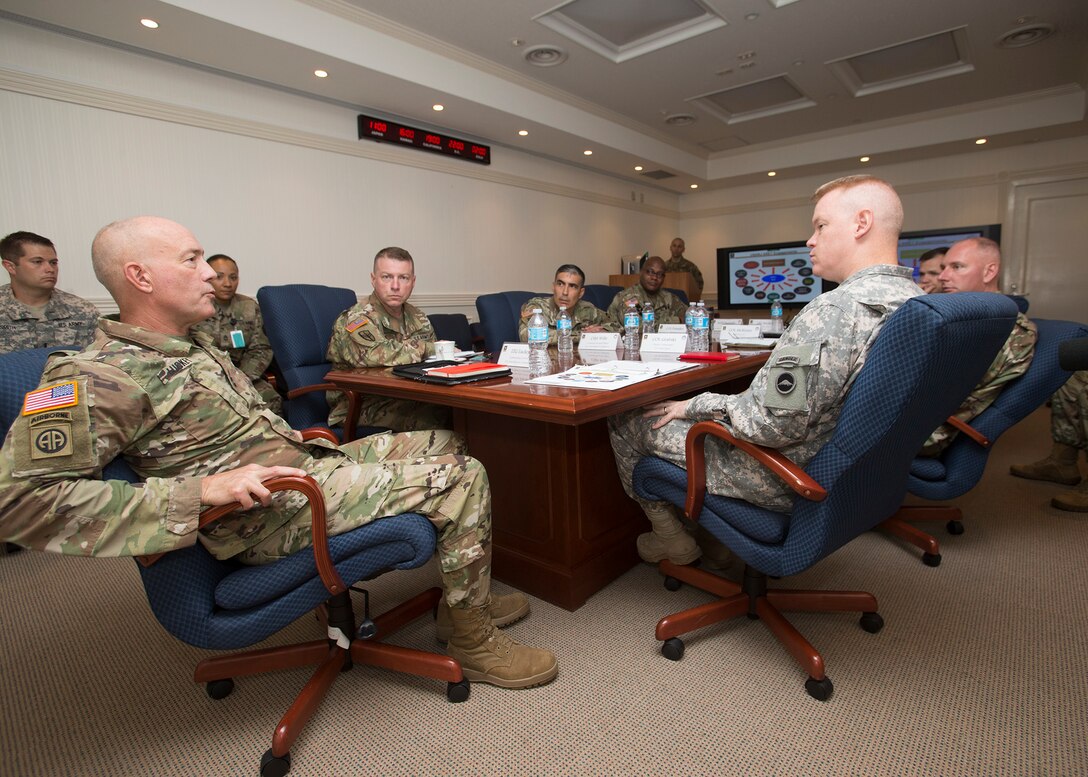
320 431
307 486
965 428
298 392
792 475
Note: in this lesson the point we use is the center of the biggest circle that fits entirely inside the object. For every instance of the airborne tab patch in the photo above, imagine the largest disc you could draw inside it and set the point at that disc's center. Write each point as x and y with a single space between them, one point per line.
172 369
51 397
361 321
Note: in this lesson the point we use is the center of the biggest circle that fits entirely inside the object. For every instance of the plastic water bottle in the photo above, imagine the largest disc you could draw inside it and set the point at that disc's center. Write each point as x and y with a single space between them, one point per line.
776 315
689 320
649 324
701 327
631 322
562 333
539 362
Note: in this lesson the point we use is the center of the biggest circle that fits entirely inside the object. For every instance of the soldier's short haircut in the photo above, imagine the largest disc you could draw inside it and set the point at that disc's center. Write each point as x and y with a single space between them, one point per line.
215 257
884 196
11 247
933 253
572 269
392 252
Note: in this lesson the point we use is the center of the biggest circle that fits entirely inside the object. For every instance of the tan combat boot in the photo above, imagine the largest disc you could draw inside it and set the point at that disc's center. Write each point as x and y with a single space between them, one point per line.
1059 467
488 655
667 540
1075 501
716 556
504 611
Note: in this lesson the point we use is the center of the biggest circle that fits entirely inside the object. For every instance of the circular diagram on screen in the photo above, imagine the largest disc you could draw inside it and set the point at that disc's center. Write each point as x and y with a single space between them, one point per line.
775 278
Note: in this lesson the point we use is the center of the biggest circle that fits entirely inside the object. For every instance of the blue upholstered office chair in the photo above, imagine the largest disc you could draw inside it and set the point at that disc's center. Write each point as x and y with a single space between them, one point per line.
960 465
499 315
224 605
925 360
298 319
600 294
452 326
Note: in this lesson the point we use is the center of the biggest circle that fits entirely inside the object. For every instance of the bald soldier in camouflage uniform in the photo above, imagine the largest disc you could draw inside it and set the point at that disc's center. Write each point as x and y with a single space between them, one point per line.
193 427
974 265
237 328
385 331
33 312
1069 430
668 309
567 290
794 401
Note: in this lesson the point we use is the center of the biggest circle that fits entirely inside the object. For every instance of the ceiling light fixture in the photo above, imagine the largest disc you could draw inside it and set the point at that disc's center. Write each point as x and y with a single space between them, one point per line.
321 73
980 142
587 152
695 186
863 159
150 24
438 107
638 168
523 133
771 174
751 17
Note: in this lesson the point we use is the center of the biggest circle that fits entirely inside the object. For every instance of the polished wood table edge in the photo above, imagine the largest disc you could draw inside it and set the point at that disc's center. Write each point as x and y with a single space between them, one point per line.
566 406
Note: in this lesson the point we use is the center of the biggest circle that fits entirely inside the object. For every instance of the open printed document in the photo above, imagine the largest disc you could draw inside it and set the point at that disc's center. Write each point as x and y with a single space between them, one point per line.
610 375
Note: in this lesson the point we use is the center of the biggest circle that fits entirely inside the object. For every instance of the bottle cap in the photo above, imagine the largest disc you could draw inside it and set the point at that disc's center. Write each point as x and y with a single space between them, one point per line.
537 310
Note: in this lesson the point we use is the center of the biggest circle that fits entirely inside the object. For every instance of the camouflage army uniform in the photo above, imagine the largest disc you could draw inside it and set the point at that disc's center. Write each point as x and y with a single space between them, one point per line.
583 315
668 309
1011 362
367 335
243 314
179 410
68 320
794 401
1069 412
685 265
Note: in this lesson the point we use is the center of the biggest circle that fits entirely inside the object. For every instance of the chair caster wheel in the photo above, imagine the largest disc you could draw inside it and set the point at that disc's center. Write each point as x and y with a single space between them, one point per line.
871 622
931 559
672 649
820 690
954 527
672 584
367 629
220 689
458 692
275 766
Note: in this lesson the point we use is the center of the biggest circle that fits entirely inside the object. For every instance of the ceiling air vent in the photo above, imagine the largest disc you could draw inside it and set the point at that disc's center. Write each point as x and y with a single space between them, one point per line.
679 119
545 56
658 175
1025 35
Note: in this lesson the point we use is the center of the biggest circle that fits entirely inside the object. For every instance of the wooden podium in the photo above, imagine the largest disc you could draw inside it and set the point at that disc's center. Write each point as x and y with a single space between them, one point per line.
673 280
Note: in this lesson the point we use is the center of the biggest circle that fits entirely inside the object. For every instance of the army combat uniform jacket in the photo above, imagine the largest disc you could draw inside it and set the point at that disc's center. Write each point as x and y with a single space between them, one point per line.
1011 362
668 309
368 335
68 320
794 400
583 315
177 410
238 329
688 266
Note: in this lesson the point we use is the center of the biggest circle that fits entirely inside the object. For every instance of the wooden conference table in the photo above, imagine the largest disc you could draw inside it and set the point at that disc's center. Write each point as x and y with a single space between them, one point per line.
562 526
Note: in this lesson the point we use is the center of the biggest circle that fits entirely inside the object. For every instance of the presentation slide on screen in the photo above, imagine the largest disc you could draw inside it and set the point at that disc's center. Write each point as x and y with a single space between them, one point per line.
764 275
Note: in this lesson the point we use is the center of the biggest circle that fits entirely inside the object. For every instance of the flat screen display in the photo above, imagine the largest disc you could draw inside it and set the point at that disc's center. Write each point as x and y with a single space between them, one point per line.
754 276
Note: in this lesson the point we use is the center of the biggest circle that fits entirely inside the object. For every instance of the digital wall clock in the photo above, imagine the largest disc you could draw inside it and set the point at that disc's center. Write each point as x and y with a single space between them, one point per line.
435 142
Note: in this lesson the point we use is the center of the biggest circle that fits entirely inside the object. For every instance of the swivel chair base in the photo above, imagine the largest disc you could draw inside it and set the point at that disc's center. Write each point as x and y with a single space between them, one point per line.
898 526
332 659
754 599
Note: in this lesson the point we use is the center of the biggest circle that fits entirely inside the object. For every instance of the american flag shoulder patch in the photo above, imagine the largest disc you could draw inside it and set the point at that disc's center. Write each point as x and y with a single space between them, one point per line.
51 397
361 321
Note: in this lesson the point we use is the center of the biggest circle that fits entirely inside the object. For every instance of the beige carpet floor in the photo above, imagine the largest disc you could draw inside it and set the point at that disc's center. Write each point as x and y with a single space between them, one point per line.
981 669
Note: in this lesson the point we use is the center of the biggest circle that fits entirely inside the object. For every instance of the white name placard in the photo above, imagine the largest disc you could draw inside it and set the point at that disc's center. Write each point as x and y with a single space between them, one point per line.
599 341
672 329
514 355
740 331
665 342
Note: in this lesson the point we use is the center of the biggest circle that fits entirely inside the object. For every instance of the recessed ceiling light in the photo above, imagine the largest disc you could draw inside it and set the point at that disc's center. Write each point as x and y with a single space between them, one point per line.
321 73
150 24
638 168
587 152
771 174
751 17
980 142
523 133
695 186
438 107
863 159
